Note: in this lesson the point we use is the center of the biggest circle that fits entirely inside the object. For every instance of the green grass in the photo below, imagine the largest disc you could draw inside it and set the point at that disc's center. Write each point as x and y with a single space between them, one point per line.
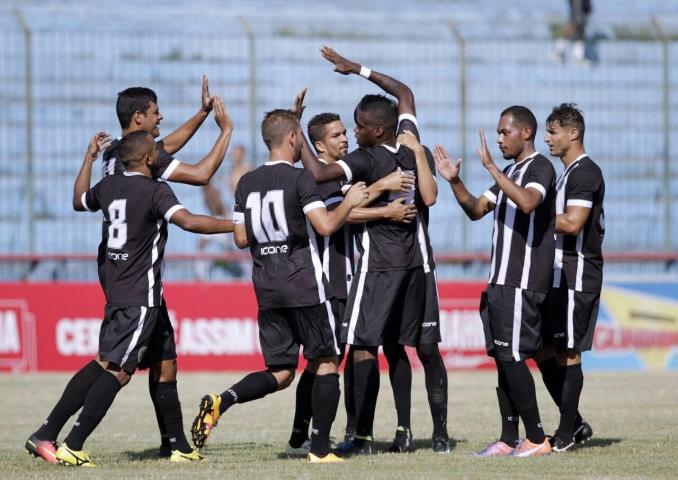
634 417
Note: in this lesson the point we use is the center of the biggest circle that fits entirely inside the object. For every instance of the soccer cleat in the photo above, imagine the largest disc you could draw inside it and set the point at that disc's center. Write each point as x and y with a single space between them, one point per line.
181 457
349 435
207 419
495 449
560 445
402 442
358 446
164 450
42 449
73 458
329 458
583 432
301 451
441 444
528 449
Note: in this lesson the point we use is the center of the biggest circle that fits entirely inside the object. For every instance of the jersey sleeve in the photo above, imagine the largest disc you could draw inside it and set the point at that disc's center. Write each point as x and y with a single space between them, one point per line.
407 121
330 193
307 192
357 165
492 193
582 187
540 176
166 162
90 199
165 203
239 204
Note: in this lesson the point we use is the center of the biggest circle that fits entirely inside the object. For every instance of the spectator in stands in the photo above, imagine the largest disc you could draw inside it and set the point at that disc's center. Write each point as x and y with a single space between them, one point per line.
574 32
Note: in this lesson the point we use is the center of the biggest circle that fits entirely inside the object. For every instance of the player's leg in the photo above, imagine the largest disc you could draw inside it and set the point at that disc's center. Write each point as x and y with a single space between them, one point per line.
400 375
365 393
325 400
298 443
349 398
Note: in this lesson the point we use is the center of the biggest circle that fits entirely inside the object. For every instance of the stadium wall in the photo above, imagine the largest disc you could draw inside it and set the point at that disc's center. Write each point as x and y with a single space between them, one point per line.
55 326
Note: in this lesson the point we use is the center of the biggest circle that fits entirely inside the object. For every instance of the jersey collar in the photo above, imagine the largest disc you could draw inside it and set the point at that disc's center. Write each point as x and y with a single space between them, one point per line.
529 157
390 148
131 174
277 162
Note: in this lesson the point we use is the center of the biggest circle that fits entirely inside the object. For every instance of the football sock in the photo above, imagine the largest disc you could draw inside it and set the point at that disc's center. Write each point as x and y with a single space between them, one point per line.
98 400
325 400
254 386
572 387
551 375
523 393
169 407
303 411
509 418
400 373
349 398
365 391
152 390
70 402
435 376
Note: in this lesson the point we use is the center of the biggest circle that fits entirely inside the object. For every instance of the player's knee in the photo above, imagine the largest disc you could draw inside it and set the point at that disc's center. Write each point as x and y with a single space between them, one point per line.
363 354
168 370
428 353
284 377
327 365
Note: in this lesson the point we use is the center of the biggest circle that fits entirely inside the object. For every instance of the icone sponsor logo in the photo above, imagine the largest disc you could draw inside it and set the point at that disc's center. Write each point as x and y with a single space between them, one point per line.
272 249
10 339
118 256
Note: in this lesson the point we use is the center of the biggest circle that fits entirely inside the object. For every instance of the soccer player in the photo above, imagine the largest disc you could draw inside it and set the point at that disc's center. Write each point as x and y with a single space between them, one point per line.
522 199
571 307
387 296
136 329
137 110
277 207
327 134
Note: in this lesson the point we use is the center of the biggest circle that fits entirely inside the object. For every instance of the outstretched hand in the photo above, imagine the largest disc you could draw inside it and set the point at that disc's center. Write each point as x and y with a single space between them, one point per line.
484 152
298 108
207 99
221 115
447 169
341 65
100 141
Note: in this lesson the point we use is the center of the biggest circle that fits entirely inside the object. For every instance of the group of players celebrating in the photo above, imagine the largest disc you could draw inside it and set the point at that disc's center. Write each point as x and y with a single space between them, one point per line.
300 225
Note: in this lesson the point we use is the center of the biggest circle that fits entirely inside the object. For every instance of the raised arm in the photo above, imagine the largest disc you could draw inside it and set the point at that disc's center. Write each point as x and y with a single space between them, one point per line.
327 222
389 84
527 199
180 137
82 182
475 208
426 182
201 172
190 222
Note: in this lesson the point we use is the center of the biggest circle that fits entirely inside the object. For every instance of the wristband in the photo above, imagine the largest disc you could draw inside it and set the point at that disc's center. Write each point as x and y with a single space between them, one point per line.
365 72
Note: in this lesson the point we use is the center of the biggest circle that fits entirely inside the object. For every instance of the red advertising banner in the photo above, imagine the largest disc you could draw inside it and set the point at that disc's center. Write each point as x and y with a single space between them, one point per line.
55 326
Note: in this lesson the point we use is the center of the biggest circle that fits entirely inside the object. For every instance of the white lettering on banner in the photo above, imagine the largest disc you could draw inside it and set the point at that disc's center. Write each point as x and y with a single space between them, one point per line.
9 332
218 336
461 330
78 336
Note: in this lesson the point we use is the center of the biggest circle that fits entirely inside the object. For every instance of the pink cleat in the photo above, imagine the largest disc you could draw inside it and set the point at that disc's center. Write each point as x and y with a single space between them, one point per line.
495 449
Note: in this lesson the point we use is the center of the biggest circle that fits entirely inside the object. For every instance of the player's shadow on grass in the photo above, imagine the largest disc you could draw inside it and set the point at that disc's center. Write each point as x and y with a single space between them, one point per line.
600 442
152 453
148 454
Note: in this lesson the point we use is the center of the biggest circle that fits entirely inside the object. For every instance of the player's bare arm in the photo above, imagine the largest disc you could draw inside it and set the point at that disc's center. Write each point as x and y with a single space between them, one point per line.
426 182
176 140
390 85
527 199
201 172
98 143
240 236
573 220
396 211
397 181
475 208
200 223
326 223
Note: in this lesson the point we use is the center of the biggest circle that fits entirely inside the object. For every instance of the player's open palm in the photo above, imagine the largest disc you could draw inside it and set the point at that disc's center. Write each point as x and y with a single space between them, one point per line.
221 115
341 65
207 99
357 194
484 152
298 107
447 168
100 141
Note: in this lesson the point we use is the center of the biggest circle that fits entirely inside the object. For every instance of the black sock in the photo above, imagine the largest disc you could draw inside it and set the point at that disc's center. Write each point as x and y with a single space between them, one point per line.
400 374
99 399
523 393
303 409
573 382
167 401
70 402
325 401
349 397
365 391
152 390
509 418
435 375
551 375
254 386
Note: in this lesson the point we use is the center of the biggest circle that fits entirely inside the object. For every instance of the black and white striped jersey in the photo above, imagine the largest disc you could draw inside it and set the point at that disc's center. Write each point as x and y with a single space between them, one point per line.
273 201
111 163
523 245
578 263
136 211
385 245
336 251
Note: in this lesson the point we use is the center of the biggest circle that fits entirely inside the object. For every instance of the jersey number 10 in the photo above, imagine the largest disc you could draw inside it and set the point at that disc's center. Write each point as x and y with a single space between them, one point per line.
268 216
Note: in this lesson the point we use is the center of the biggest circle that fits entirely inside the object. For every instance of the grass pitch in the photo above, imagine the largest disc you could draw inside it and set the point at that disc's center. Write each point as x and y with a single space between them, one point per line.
634 417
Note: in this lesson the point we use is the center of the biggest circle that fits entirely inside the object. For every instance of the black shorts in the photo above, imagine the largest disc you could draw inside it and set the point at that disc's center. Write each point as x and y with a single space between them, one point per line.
283 330
134 337
385 304
430 324
570 319
511 321
338 310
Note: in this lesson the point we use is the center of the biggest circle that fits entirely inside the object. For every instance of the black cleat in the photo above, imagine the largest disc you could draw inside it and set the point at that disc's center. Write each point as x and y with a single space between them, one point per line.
349 435
402 442
356 447
583 432
441 444
559 445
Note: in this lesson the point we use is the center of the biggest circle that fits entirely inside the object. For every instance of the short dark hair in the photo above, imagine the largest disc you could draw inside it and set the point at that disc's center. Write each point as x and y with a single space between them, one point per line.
134 146
316 127
276 124
568 115
134 99
522 116
381 109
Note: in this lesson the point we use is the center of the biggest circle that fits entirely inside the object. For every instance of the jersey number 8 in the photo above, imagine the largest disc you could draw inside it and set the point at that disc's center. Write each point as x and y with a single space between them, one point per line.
117 230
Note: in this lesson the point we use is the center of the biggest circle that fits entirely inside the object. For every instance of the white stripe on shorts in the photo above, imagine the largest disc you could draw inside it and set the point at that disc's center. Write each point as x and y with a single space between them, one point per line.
570 318
517 321
135 336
